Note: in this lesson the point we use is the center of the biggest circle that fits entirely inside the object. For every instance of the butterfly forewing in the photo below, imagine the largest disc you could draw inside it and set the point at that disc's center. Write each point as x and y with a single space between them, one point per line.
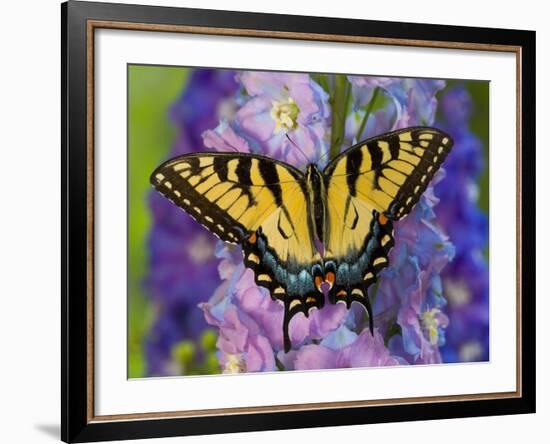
259 203
369 186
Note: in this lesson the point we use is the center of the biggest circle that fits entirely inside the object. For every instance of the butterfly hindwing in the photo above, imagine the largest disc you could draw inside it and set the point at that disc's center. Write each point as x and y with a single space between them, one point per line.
369 186
259 203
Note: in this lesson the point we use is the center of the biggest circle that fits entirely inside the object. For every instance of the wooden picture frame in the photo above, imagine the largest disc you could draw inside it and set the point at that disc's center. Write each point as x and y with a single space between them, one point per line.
80 20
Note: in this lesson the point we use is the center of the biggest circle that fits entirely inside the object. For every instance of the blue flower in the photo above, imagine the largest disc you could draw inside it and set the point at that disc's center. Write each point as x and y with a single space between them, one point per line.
410 288
466 281
182 266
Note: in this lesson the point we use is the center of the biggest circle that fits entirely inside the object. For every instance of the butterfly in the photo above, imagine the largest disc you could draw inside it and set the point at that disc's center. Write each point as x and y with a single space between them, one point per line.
280 215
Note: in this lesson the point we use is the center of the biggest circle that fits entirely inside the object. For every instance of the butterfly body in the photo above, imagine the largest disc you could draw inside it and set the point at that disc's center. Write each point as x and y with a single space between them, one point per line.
281 215
315 184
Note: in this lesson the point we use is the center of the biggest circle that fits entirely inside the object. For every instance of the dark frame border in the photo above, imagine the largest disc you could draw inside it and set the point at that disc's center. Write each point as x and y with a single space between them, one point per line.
78 20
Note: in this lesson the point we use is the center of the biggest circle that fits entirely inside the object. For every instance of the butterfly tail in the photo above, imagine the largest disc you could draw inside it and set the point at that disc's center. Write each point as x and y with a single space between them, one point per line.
286 336
368 306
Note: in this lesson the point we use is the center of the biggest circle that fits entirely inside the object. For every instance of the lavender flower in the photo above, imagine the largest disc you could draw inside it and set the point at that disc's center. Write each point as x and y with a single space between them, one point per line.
365 351
410 288
409 299
408 102
179 247
279 111
466 280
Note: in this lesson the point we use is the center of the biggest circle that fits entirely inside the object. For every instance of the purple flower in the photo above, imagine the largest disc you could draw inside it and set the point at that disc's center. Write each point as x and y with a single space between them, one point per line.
373 82
365 351
208 96
408 102
225 139
242 346
362 88
466 281
415 101
410 288
279 112
179 247
409 292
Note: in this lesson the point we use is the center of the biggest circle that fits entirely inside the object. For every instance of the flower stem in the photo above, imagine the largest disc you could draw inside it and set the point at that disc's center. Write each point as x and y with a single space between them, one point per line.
339 102
367 113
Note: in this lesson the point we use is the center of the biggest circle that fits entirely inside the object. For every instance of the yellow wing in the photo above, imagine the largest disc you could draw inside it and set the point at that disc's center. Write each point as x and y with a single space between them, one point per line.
369 186
259 203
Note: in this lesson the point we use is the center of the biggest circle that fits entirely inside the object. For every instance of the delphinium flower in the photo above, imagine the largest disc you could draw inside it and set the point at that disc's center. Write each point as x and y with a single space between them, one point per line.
279 112
409 304
365 350
409 292
466 280
182 265
401 103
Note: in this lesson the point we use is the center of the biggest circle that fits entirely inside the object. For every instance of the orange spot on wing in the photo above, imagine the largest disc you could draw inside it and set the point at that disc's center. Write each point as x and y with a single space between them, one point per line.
330 278
252 238
382 219
318 282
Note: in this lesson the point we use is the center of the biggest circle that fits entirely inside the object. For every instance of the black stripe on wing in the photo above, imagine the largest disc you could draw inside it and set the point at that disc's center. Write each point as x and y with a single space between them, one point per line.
406 160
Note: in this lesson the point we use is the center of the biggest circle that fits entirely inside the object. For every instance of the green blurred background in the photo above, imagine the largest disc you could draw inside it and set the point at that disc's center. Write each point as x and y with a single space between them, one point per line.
151 92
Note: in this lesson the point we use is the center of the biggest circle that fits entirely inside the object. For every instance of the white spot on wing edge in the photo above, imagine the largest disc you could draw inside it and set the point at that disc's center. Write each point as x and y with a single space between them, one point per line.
294 303
380 260
252 257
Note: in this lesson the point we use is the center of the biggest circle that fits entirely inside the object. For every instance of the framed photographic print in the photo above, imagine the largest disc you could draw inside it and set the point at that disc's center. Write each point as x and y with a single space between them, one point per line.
277 221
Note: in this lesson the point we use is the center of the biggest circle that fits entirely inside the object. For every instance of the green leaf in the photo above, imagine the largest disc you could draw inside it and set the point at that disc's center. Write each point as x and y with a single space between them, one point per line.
151 92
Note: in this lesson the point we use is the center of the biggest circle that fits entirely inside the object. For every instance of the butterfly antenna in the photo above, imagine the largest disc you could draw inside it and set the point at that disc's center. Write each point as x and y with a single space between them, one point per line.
299 149
322 156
